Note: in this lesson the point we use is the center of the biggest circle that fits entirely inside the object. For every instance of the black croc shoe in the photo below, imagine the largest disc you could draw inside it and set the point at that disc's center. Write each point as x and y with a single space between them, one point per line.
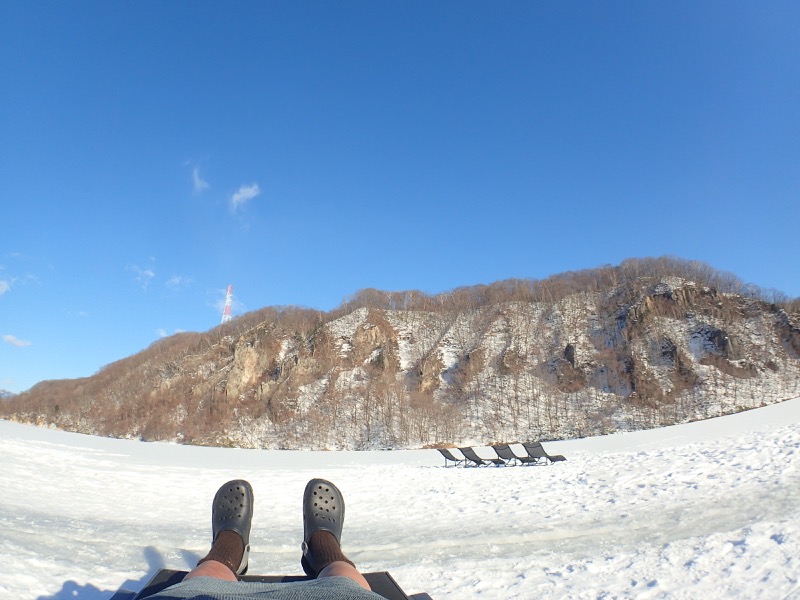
232 510
323 510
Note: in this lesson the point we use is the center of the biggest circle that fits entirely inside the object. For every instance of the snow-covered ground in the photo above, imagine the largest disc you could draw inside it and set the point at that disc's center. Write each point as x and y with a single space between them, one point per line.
703 510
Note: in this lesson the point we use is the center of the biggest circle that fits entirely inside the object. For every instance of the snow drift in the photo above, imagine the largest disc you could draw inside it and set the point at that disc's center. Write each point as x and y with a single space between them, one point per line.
706 509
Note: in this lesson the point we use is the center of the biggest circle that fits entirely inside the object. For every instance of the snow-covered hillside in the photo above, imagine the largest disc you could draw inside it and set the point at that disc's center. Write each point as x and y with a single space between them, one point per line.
701 510
586 354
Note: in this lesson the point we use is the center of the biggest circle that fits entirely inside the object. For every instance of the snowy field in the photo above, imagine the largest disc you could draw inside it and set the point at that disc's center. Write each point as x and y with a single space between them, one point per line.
703 510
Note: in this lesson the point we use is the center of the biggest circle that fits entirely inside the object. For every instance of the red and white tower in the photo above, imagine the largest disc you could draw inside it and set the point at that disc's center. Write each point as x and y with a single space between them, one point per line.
226 312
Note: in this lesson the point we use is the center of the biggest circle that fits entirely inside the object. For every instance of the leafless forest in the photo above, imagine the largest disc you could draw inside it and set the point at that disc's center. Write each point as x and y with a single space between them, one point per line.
647 343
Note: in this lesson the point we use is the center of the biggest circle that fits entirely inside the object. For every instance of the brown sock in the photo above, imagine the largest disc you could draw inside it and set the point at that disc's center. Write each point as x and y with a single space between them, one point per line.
323 549
228 549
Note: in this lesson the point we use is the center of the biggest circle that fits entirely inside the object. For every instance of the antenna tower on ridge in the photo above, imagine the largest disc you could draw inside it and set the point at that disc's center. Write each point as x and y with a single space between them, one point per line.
226 312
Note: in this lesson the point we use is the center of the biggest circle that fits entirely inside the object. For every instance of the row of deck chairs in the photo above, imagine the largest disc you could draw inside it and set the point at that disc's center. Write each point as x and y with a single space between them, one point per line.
536 455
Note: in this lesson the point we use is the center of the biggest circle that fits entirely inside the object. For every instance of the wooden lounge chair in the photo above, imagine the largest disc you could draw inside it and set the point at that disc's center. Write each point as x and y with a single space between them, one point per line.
535 450
449 457
505 452
381 583
477 461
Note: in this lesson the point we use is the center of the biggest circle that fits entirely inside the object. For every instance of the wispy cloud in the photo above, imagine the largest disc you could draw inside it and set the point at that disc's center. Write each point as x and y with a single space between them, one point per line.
141 276
217 302
15 341
10 277
198 183
178 281
244 194
162 333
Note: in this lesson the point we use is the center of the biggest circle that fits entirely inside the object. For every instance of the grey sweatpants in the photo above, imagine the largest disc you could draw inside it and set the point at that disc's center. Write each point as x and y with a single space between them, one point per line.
209 588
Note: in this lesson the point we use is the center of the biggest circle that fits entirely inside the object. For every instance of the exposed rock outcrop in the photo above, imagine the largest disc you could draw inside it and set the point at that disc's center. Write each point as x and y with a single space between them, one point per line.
613 349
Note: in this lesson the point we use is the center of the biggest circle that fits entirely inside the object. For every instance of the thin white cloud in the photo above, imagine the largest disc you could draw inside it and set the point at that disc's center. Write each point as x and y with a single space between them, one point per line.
244 194
162 333
15 341
218 303
4 287
142 276
198 183
178 281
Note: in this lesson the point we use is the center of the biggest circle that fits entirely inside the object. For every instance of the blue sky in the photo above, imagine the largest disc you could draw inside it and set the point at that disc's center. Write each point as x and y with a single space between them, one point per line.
151 153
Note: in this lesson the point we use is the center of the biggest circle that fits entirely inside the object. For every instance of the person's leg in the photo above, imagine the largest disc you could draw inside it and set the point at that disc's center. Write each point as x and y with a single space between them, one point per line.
323 518
344 569
212 568
231 517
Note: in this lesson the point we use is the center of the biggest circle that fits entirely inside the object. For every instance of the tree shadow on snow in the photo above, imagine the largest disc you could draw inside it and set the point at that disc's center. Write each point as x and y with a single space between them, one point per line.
155 562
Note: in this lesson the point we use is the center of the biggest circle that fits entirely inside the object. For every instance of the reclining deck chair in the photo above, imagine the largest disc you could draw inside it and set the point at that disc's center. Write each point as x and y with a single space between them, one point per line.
381 583
477 461
535 450
448 456
505 452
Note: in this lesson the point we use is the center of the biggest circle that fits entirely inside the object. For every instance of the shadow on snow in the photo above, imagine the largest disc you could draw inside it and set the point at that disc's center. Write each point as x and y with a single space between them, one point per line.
155 562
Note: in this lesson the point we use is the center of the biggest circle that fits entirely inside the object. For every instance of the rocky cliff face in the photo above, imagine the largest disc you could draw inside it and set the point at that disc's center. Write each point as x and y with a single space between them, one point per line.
640 352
